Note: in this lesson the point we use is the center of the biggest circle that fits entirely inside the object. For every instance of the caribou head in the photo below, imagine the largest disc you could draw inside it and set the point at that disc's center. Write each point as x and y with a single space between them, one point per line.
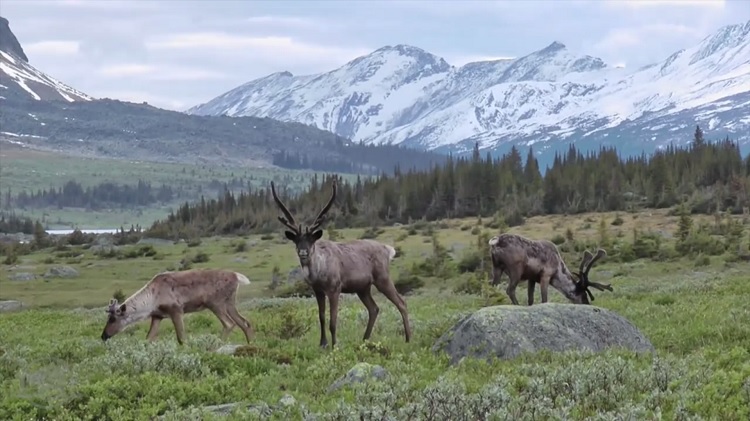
303 240
583 284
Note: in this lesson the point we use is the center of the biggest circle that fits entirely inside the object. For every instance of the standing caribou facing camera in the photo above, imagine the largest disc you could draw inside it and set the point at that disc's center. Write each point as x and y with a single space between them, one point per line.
332 268
539 261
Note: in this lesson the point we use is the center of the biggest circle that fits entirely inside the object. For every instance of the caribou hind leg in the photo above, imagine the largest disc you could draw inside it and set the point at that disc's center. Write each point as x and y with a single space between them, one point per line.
372 311
226 322
387 288
497 274
514 277
242 322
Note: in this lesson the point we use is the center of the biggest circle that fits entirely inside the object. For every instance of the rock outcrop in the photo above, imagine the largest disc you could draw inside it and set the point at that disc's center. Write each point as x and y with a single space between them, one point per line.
506 331
11 305
360 373
61 272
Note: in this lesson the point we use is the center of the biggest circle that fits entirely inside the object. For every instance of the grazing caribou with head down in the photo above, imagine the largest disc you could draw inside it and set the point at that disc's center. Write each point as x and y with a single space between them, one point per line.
332 268
539 261
173 294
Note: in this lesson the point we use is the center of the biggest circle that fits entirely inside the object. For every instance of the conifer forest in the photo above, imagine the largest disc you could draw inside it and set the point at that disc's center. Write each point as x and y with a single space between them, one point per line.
703 176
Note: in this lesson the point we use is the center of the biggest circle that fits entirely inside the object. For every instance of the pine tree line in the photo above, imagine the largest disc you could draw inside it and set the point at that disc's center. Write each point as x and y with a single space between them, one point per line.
102 195
703 176
12 223
359 158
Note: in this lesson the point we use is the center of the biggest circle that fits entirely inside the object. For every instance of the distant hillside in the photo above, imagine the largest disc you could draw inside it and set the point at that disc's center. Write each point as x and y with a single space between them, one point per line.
40 112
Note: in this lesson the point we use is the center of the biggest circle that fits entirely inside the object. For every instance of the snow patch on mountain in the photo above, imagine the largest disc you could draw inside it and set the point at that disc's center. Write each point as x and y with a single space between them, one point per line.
406 95
34 83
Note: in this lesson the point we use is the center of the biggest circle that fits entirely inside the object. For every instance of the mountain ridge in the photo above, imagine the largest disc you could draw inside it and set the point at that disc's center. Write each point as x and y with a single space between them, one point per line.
550 97
43 113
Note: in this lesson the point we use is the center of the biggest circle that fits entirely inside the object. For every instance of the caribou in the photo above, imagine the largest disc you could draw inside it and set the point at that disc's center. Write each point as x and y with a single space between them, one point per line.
331 268
539 261
173 294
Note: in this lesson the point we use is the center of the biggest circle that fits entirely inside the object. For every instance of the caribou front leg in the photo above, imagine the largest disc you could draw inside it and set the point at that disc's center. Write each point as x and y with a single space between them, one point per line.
530 290
320 296
544 281
153 330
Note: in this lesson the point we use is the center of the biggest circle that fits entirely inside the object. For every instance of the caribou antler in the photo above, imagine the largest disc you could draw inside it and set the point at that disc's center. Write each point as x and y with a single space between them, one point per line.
320 218
112 305
583 276
289 220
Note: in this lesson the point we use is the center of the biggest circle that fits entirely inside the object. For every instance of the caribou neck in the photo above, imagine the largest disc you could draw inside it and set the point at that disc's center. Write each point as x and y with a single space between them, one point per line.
140 305
315 268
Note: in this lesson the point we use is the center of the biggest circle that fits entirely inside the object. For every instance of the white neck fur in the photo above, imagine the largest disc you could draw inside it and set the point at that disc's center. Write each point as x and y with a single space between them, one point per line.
139 305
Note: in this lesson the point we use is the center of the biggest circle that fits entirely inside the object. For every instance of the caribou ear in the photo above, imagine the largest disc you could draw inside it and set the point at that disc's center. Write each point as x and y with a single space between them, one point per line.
122 308
316 235
290 235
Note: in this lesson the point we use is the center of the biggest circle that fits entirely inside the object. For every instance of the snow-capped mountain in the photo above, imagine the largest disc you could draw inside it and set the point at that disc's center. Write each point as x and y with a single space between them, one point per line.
20 80
549 98
39 112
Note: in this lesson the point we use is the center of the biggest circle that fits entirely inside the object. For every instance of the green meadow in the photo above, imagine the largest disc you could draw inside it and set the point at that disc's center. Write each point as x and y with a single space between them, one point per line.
689 297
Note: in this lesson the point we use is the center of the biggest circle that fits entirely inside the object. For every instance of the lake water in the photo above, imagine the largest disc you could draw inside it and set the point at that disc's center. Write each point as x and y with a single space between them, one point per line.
85 231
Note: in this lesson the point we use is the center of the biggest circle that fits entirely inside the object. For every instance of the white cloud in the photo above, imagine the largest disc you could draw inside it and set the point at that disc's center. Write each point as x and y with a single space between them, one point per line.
620 38
105 4
250 46
125 70
288 21
49 48
185 74
163 73
641 4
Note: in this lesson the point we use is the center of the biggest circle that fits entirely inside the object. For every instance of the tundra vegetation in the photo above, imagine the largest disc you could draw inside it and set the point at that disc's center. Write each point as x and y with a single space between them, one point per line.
680 278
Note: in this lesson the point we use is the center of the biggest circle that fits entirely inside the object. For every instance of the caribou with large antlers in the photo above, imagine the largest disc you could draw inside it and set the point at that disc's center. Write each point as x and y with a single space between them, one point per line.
539 261
350 267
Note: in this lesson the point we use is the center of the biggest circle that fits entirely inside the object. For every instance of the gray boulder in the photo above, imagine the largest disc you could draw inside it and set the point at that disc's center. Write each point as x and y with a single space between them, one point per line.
505 331
61 272
10 305
358 374
22 276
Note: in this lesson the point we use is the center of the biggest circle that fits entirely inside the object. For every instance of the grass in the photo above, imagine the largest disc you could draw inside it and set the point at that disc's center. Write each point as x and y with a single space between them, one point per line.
23 169
695 314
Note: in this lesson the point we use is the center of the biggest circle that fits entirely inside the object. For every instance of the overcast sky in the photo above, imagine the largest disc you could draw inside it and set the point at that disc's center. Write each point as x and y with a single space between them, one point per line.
176 54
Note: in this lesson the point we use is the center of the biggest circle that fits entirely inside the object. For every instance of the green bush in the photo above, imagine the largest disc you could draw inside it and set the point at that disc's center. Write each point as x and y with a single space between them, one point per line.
470 261
372 233
297 289
409 283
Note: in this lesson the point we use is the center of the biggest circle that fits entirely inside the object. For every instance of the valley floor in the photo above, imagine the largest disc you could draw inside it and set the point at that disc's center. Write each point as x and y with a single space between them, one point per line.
692 308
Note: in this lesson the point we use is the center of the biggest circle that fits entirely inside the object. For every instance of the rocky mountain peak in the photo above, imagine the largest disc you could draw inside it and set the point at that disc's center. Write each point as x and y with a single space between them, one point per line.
8 41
